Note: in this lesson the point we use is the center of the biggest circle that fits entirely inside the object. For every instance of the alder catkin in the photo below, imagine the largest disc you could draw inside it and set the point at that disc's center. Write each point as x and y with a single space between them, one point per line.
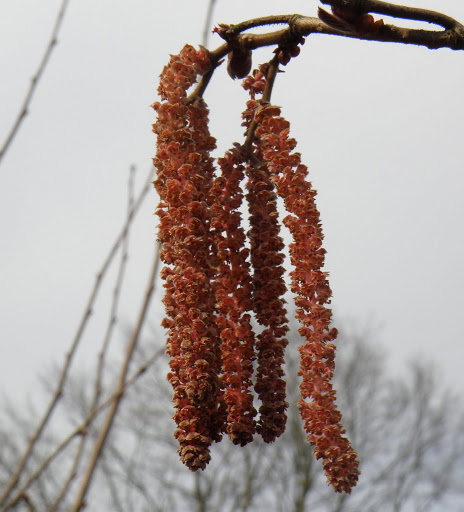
322 419
183 181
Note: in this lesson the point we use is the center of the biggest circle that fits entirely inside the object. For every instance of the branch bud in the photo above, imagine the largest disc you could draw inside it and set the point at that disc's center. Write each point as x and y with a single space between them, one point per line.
239 63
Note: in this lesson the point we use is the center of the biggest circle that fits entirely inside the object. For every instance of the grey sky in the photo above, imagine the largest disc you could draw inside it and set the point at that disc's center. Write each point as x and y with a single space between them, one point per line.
379 125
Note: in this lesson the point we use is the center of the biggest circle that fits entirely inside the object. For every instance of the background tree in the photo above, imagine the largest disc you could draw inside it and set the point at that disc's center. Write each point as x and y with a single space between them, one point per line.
406 428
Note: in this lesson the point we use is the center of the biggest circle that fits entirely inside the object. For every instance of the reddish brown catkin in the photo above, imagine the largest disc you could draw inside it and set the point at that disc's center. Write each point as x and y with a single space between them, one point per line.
268 289
309 284
234 303
209 290
268 282
184 179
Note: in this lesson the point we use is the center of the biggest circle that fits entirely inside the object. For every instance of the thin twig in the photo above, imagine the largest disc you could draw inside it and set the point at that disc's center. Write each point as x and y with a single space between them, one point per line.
98 447
202 85
237 28
78 336
272 70
116 295
72 474
207 26
106 342
270 79
35 79
113 488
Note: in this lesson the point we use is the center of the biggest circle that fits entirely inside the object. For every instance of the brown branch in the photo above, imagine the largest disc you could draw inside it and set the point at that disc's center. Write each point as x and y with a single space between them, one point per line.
203 83
397 11
304 26
75 343
237 28
273 69
270 79
249 41
72 474
73 471
300 26
99 443
35 80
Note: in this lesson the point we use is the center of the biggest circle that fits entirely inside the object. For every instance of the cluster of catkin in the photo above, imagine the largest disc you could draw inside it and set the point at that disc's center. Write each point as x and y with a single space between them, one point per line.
215 282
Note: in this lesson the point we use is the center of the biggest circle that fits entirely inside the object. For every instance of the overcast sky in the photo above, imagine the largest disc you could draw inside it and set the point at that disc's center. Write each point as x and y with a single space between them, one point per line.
379 125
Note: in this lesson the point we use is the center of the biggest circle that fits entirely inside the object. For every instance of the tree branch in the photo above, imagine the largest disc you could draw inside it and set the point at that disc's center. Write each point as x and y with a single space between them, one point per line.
75 343
305 26
35 80
98 447
80 430
397 11
106 342
272 70
299 26
115 298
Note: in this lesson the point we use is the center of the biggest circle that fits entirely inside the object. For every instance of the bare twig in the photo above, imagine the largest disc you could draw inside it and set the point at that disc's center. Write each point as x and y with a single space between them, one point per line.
78 336
207 26
273 69
35 80
105 345
113 488
79 502
276 19
116 294
72 474
270 79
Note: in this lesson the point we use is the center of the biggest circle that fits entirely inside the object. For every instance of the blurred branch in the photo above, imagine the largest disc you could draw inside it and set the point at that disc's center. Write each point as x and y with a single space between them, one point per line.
35 80
207 27
273 69
80 430
106 342
116 500
79 502
75 343
116 294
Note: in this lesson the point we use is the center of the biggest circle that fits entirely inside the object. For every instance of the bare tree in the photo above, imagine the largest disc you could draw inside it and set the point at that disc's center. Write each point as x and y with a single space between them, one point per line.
407 429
